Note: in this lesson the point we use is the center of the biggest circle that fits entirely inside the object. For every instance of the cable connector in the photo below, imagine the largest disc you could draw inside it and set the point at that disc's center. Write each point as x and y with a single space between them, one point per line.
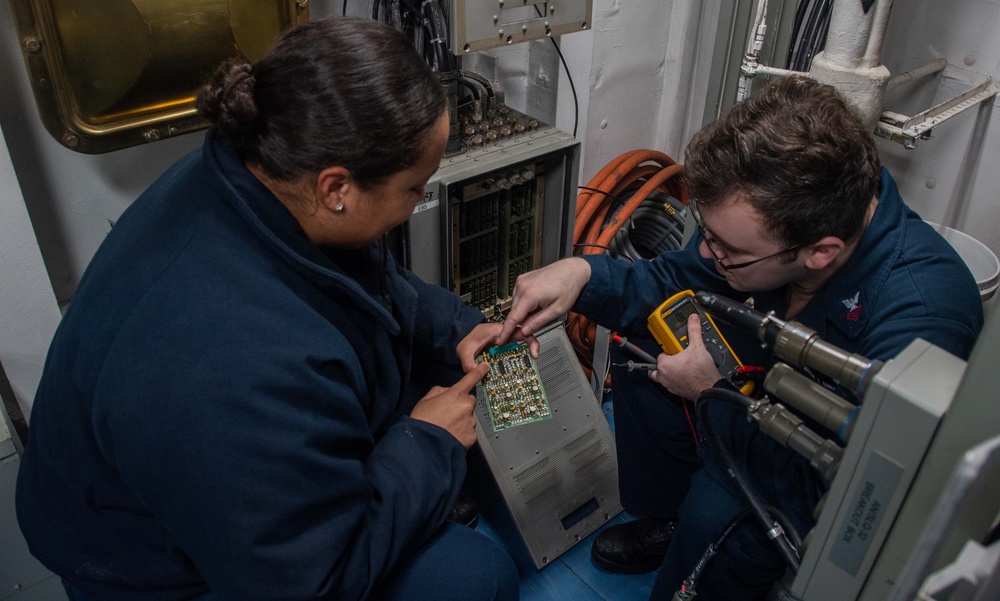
749 379
684 595
633 366
638 352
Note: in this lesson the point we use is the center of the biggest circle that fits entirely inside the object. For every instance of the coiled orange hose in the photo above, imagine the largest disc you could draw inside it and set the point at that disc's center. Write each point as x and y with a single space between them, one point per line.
597 221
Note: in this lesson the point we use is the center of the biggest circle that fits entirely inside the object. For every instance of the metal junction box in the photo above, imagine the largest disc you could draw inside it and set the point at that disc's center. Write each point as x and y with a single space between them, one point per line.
478 25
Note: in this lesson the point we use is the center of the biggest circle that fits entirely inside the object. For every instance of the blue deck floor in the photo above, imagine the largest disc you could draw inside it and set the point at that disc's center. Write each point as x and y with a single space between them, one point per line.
572 576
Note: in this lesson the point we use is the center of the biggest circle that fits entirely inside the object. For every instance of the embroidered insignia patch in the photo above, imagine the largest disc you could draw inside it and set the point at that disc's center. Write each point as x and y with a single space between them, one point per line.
853 305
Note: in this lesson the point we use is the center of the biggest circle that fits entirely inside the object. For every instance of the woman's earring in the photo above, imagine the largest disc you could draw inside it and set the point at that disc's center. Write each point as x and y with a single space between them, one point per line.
339 207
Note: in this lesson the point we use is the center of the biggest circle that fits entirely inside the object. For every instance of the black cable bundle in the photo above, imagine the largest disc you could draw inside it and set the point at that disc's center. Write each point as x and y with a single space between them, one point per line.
689 588
424 22
656 226
784 541
807 42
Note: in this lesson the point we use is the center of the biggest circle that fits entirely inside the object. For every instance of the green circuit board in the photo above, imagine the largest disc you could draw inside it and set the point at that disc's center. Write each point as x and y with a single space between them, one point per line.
512 388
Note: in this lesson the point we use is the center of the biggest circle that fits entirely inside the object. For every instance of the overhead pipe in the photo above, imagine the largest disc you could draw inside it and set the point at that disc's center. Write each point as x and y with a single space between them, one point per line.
850 59
923 71
856 35
754 44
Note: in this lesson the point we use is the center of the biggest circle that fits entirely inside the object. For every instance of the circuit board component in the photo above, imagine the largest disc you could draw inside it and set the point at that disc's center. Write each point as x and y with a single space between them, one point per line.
512 388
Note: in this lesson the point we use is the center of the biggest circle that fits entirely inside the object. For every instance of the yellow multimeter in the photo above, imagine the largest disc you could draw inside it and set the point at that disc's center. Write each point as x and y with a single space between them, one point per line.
668 324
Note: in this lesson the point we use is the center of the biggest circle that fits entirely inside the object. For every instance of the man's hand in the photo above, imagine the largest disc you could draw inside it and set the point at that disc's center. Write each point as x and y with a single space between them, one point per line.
542 295
483 336
690 371
452 408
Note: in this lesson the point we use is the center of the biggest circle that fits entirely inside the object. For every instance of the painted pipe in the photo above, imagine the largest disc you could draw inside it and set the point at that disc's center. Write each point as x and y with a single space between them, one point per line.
923 71
856 36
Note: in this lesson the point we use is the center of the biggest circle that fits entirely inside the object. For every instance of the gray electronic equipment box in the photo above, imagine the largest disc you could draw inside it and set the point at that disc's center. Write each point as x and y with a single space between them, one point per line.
901 413
558 476
927 442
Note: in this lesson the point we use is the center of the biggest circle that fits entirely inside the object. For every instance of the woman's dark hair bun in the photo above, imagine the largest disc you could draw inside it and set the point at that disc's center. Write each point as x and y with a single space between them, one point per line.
339 91
228 99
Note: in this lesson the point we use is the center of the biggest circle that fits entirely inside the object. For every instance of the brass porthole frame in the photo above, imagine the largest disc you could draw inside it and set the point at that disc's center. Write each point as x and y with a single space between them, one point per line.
110 74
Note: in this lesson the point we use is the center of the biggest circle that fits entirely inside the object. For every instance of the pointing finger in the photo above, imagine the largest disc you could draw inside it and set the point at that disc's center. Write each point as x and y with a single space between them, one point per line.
469 381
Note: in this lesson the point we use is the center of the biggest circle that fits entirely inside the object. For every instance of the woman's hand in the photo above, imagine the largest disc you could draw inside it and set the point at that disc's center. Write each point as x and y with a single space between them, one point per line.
452 408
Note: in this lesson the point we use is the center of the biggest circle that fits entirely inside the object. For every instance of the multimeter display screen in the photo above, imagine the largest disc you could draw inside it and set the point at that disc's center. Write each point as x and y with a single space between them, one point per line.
681 313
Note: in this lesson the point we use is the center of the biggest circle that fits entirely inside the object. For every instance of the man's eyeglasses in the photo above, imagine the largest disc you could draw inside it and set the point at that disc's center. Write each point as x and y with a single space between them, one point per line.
710 243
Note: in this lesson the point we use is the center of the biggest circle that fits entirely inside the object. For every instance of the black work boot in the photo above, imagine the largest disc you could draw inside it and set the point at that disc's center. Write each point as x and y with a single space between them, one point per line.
465 511
634 547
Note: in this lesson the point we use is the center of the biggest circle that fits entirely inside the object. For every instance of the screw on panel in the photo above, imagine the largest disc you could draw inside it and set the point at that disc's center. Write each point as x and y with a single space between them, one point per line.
70 140
32 45
151 135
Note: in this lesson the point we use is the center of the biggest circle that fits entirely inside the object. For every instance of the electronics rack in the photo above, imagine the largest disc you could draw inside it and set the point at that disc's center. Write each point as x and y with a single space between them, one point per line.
496 225
492 212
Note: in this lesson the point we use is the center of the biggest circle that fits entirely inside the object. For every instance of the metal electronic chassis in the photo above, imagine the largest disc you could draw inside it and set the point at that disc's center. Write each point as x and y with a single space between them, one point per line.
494 211
558 476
